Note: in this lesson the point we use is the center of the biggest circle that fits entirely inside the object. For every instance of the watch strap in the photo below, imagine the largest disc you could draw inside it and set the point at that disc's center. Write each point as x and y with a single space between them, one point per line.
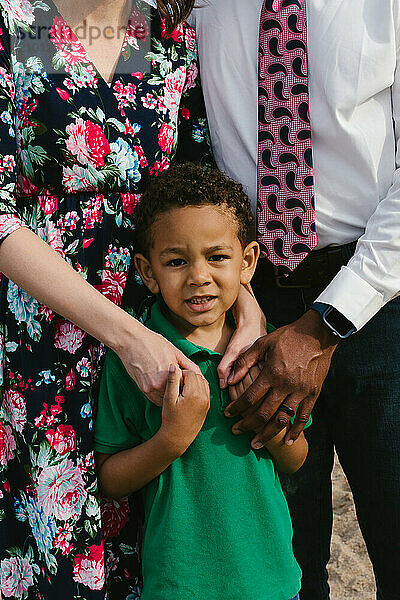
334 320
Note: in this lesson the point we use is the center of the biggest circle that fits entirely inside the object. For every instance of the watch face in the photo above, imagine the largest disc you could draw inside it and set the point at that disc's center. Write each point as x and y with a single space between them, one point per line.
338 323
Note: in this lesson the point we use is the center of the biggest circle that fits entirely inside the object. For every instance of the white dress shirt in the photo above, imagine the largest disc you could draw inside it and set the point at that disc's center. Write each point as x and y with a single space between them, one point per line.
355 114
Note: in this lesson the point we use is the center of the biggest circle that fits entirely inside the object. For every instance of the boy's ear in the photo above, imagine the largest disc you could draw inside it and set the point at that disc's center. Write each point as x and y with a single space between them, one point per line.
250 258
145 271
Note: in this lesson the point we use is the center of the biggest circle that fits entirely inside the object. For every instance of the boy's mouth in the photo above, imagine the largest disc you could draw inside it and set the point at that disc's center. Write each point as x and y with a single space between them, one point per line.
201 303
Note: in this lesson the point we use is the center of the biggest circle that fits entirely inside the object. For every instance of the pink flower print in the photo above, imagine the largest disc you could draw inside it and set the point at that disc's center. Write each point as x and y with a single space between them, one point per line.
93 214
7 443
83 367
114 516
166 138
89 568
66 42
71 219
138 29
131 129
52 236
68 337
16 577
70 381
9 163
174 84
20 10
190 39
61 491
63 538
124 95
191 77
14 409
25 187
160 166
63 440
185 113
64 95
142 159
47 312
129 202
87 142
48 203
176 35
149 101
113 285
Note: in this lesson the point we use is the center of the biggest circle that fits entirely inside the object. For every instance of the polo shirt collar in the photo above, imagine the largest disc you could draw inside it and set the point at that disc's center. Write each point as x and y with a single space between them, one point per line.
158 323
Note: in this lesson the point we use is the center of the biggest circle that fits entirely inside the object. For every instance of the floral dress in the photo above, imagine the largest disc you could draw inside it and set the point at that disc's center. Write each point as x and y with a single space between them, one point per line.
75 154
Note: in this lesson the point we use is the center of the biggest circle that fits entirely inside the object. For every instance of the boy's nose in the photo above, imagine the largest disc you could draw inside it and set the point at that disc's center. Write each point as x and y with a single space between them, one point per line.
199 276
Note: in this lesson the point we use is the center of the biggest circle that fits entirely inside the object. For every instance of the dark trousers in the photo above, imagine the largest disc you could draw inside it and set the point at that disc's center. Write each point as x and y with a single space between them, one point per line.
358 414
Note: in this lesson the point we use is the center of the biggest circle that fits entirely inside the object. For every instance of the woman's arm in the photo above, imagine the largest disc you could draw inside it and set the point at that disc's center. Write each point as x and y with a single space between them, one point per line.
250 325
183 416
30 263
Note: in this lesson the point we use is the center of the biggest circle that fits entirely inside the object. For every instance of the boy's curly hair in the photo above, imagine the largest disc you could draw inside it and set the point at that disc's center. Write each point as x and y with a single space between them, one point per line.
190 185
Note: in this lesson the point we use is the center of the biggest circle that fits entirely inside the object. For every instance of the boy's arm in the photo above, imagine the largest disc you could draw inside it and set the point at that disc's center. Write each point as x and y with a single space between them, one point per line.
286 458
183 416
126 472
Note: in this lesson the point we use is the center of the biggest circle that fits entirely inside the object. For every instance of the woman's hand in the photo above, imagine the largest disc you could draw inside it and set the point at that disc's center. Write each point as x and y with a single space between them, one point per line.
250 325
147 356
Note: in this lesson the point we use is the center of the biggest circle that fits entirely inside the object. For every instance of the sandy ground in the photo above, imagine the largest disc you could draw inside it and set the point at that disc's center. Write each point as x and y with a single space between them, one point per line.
350 570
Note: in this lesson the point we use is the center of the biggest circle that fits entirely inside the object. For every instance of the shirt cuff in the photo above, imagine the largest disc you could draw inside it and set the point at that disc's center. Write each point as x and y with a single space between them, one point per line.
352 296
9 224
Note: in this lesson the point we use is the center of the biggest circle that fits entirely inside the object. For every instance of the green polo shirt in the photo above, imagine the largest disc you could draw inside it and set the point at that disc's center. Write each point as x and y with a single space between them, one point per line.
217 526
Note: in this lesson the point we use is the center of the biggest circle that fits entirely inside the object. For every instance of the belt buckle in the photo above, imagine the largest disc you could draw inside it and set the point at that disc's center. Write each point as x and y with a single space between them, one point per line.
279 279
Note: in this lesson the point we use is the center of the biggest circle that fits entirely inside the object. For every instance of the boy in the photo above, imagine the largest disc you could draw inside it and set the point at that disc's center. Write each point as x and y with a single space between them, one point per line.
217 526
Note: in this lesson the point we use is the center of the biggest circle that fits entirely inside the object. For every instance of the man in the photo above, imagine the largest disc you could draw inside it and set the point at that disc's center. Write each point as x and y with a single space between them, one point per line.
338 313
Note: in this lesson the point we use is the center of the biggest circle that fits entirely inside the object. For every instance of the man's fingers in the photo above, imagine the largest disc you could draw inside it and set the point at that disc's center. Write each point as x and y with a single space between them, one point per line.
301 419
281 420
257 419
172 388
252 356
249 399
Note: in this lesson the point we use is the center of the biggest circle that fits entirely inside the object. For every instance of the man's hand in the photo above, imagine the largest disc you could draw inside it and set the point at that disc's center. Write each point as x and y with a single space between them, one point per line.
294 362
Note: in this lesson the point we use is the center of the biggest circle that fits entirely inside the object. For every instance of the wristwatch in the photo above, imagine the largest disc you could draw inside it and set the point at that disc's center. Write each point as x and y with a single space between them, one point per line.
334 320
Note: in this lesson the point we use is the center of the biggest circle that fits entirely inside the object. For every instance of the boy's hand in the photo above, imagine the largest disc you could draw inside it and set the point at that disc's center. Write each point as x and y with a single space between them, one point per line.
184 413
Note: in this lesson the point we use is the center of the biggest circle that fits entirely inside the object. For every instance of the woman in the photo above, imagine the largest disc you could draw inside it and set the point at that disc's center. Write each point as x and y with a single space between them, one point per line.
85 118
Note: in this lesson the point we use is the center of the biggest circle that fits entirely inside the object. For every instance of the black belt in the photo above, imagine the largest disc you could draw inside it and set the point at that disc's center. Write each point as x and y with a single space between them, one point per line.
316 270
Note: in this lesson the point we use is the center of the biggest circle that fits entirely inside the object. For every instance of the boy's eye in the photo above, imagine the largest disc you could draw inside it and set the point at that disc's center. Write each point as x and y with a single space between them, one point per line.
218 257
176 262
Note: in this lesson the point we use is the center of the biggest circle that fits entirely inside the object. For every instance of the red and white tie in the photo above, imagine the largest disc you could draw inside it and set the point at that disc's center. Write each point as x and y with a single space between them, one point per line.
286 210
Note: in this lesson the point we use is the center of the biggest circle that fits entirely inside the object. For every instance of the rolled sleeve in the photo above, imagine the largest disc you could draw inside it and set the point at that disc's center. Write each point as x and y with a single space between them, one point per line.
352 296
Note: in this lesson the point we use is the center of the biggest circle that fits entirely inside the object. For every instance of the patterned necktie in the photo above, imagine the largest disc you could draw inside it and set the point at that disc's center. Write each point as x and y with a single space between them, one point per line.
285 210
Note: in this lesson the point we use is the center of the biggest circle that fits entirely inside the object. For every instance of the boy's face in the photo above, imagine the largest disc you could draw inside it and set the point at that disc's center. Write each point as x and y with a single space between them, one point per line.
197 263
